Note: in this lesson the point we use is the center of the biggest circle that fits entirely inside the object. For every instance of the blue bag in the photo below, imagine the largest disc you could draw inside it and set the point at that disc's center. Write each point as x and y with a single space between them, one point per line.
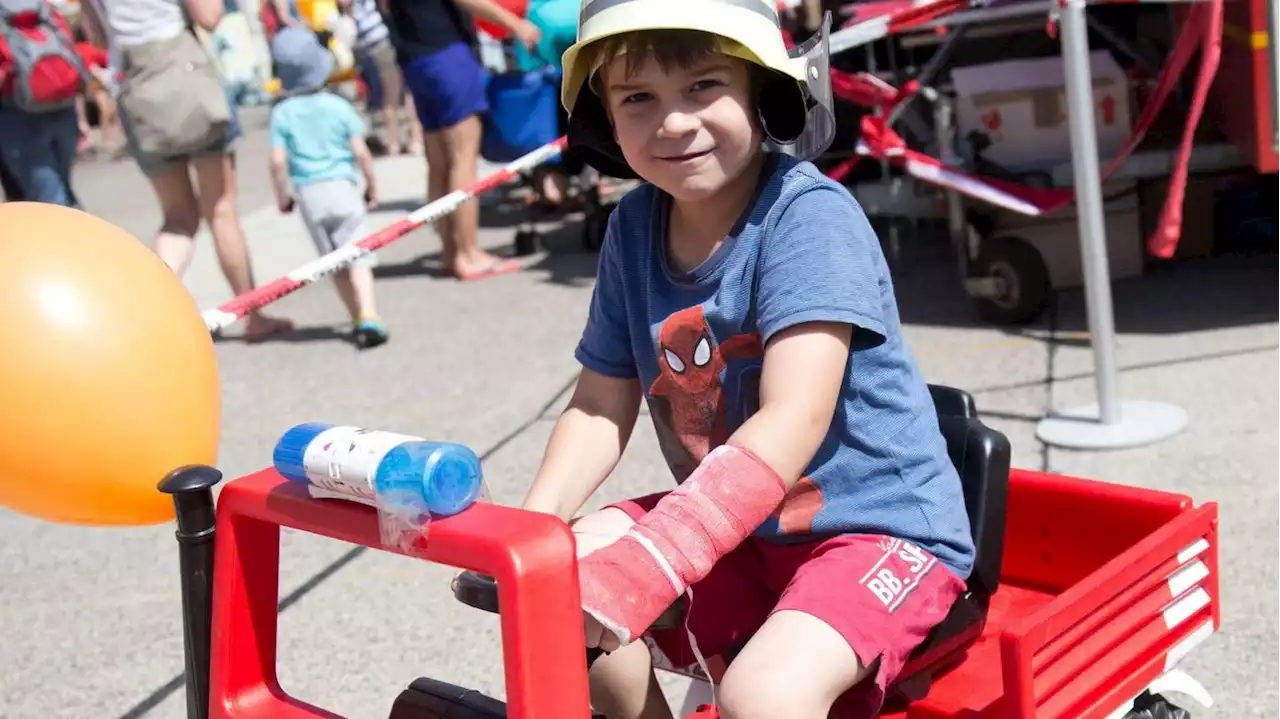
523 113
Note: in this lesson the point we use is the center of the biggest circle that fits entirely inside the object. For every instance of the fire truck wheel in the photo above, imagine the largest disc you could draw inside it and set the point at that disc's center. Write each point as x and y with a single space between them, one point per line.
1020 278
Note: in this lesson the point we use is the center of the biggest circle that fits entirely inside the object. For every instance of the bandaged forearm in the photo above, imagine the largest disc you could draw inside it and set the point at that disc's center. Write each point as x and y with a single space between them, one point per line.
628 584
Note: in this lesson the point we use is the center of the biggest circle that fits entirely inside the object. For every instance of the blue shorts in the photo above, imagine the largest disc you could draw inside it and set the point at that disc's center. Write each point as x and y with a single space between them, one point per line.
447 86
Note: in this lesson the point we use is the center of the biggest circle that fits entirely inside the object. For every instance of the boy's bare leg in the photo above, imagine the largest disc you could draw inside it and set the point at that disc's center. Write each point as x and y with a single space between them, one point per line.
792 649
623 685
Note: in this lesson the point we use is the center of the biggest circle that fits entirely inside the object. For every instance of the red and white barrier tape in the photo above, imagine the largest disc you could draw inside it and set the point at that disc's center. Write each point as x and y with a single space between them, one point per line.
229 312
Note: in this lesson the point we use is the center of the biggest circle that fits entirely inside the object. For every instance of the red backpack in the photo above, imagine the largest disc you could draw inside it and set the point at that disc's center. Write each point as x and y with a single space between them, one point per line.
40 70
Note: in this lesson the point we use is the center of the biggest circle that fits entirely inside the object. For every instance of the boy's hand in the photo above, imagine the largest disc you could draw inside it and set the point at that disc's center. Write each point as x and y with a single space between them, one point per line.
597 636
286 205
370 199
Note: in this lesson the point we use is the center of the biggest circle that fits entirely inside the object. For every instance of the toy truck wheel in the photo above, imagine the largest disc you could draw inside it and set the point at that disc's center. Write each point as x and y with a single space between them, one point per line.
526 243
428 698
1015 279
1155 706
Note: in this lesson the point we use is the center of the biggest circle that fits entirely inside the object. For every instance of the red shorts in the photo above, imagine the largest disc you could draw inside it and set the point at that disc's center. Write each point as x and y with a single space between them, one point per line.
883 595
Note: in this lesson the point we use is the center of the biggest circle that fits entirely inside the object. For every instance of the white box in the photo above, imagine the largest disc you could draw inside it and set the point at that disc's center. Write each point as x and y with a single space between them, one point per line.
1020 105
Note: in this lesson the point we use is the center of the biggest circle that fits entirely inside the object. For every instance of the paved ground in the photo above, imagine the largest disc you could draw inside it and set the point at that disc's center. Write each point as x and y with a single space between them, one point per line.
91 618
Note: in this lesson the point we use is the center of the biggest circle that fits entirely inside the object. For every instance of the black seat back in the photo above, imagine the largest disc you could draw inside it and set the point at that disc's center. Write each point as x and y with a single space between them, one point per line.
981 456
952 402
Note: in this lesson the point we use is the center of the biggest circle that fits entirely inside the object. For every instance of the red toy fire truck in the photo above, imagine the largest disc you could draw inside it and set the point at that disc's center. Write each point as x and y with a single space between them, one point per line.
1084 598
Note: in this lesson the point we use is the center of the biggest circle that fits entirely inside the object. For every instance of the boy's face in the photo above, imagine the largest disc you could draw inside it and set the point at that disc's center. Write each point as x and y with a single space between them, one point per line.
689 131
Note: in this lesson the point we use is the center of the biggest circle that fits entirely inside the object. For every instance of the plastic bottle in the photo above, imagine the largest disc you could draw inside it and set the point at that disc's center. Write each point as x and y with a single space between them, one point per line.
442 478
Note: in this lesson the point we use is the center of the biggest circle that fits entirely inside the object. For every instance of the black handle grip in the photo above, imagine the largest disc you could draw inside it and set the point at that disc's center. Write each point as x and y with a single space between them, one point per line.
192 490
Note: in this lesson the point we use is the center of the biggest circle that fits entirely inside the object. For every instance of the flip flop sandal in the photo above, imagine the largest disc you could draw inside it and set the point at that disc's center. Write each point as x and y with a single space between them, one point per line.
495 268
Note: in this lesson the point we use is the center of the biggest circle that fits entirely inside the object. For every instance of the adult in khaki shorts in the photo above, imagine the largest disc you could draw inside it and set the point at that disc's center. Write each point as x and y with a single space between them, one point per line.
373 44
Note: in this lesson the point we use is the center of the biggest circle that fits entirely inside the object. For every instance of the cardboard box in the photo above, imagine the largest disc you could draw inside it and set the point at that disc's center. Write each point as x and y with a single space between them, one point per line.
1020 105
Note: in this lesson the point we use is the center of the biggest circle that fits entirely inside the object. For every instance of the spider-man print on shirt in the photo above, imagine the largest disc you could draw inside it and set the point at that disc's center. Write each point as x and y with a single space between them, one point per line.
704 390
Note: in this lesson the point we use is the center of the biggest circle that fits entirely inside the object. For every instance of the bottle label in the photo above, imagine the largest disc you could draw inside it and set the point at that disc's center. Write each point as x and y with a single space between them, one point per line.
345 459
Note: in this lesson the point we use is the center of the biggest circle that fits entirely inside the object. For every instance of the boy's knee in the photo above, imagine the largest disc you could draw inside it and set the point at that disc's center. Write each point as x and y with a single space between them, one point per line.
774 695
763 700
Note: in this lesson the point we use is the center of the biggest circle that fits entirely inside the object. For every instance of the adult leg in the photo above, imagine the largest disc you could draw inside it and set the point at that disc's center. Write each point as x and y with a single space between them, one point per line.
31 154
416 142
449 92
393 94
437 187
382 58
64 138
216 177
176 241
462 145
423 82
108 122
8 183
15 137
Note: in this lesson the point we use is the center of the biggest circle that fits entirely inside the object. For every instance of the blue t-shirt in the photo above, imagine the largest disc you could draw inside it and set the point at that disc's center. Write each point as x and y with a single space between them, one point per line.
316 130
803 252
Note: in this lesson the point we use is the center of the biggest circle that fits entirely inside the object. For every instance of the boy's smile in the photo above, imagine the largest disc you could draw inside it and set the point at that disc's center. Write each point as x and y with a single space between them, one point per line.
686 158
688 130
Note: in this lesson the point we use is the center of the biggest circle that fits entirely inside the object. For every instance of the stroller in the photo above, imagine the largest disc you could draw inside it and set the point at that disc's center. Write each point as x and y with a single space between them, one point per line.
525 114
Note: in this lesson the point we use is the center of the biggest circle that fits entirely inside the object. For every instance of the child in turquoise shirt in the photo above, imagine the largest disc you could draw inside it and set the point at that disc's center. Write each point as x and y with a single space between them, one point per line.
317 141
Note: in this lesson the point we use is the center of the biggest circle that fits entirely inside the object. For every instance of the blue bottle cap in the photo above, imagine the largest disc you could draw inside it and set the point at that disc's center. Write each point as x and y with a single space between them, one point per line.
292 447
456 480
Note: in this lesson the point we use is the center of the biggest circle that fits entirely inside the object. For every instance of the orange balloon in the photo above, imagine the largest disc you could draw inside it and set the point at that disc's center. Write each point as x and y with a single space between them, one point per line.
108 377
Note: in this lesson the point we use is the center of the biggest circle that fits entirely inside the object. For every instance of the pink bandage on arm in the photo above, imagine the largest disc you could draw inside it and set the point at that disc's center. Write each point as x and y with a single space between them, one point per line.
628 584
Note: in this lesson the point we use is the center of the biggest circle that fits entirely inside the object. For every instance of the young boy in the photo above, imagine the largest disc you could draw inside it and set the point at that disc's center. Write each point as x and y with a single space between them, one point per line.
818 520
317 141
